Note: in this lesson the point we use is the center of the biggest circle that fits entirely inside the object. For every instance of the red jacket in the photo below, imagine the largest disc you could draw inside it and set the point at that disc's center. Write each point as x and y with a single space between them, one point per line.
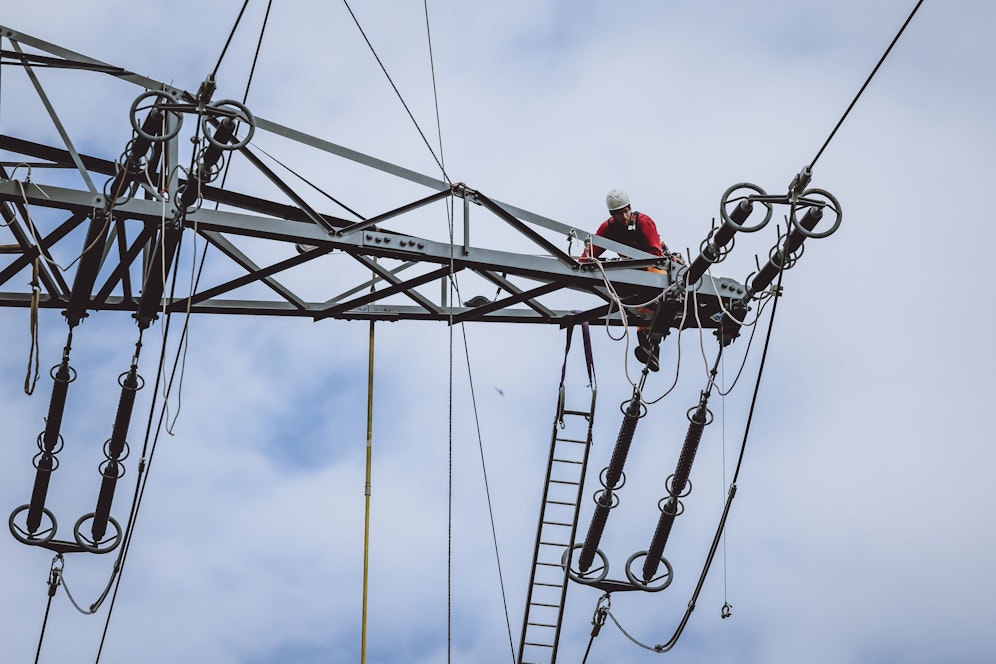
644 235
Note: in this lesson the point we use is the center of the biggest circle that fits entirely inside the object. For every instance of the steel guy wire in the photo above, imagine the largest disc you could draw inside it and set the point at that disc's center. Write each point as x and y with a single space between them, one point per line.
435 92
487 488
229 40
865 85
397 92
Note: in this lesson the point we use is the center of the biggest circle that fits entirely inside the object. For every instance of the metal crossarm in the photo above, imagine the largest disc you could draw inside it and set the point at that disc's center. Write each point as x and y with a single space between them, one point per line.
253 237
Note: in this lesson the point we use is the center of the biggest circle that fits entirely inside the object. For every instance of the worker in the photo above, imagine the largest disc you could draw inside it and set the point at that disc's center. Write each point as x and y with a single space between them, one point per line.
626 226
639 231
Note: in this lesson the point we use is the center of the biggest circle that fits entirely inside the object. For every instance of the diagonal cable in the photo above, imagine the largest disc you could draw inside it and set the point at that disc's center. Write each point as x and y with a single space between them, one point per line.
229 40
396 91
867 81
487 490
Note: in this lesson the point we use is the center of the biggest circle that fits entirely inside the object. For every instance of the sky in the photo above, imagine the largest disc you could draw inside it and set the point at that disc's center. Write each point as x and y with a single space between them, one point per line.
862 527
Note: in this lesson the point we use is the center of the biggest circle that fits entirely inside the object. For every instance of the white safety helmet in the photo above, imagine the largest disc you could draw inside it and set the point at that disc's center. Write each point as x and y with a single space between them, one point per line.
616 200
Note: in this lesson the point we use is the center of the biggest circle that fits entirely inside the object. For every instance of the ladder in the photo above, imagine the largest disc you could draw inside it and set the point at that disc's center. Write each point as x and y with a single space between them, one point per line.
558 518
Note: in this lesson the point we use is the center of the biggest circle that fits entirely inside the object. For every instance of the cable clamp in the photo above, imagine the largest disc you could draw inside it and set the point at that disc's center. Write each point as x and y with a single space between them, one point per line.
799 183
601 613
55 575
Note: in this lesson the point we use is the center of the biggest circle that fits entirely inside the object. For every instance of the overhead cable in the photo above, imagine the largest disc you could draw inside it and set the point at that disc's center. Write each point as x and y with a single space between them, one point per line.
397 92
435 92
487 489
229 40
867 81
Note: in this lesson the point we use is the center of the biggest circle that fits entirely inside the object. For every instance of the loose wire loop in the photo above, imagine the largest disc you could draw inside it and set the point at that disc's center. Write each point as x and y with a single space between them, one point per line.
684 274
30 223
616 304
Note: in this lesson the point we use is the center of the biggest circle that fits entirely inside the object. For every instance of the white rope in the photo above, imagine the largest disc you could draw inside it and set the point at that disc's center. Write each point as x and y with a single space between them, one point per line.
31 224
616 303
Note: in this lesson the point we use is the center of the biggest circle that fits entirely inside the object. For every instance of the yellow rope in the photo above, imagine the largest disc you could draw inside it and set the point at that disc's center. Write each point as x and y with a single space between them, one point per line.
366 492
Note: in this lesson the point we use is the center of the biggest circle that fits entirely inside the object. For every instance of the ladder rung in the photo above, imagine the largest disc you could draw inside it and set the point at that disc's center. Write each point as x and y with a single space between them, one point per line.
541 645
551 564
558 523
535 624
568 461
562 502
553 543
552 606
558 578
572 440
577 412
565 482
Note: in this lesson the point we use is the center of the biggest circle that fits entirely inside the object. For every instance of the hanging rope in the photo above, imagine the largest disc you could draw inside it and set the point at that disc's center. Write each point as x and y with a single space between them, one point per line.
725 612
487 491
29 222
366 491
449 484
33 352
616 303
181 350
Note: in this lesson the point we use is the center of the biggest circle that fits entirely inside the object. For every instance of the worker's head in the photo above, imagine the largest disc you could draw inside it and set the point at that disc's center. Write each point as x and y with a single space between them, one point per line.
618 204
616 200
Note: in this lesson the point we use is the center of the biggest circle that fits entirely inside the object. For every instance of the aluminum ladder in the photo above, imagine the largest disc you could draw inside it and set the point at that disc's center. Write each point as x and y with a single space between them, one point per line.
558 518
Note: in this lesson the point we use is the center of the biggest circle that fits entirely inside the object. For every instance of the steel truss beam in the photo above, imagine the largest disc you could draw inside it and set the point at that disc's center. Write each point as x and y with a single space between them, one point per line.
402 276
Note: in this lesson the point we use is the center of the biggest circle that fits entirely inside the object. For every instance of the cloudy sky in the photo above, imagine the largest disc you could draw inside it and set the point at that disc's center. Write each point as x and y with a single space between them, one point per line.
862 528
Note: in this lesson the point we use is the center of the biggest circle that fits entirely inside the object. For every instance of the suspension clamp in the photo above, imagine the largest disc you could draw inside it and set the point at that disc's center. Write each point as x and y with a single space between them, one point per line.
601 613
799 183
206 91
55 574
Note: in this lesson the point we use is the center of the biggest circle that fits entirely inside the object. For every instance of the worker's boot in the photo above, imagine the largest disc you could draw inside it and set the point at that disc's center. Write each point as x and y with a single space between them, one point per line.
648 350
